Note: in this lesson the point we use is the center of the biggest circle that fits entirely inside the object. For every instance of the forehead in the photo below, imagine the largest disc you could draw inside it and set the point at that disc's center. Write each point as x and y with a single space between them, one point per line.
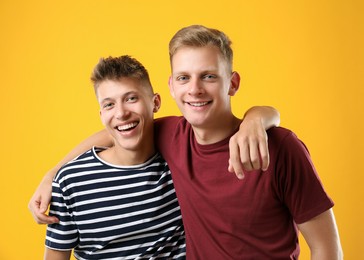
197 59
112 88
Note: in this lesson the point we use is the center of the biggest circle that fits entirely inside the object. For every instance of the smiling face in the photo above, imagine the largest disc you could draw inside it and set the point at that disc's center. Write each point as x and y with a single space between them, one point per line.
202 84
126 110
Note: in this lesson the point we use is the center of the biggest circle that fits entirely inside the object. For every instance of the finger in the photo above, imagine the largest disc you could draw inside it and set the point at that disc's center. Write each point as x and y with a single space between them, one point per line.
33 204
234 160
245 159
38 212
264 154
238 171
254 156
44 203
230 167
42 218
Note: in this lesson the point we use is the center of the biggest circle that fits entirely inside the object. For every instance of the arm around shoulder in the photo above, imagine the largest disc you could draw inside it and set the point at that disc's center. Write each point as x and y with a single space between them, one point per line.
322 237
40 200
249 146
267 115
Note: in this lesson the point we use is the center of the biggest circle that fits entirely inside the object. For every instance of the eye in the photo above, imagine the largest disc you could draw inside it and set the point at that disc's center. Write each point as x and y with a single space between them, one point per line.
107 105
182 78
131 99
209 77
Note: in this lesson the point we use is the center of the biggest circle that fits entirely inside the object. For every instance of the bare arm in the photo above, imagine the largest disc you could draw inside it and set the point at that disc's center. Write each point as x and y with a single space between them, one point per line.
41 198
51 254
249 146
322 237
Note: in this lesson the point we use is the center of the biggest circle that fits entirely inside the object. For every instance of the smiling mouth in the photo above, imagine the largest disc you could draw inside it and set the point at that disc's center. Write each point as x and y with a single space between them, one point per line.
198 104
127 127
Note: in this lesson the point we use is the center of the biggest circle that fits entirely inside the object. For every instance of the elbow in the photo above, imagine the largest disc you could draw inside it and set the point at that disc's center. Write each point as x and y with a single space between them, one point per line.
335 253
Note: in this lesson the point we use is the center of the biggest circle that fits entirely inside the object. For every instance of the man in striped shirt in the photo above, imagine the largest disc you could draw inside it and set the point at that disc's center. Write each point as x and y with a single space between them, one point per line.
118 202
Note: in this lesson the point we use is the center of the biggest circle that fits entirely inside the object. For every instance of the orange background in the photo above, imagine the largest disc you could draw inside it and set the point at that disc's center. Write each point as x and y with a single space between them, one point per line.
305 58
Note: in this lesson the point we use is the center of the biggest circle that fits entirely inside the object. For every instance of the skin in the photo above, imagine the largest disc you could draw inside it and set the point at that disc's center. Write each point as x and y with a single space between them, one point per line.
126 111
51 254
202 86
322 237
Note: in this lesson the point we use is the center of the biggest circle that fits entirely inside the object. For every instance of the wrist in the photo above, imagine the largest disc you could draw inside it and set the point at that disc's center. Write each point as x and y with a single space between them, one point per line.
48 178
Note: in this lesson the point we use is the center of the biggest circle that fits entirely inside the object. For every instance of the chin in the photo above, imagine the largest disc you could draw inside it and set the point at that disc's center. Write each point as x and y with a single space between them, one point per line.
196 122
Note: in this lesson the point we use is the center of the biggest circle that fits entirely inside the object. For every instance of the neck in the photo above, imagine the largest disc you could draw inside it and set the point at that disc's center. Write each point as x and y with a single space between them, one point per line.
117 156
216 133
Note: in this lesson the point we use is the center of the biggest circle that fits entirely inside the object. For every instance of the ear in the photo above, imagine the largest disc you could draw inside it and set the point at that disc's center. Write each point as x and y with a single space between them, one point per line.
157 102
170 85
234 83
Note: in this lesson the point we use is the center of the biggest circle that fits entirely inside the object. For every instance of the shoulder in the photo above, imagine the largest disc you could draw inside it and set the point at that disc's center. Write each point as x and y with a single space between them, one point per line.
156 163
279 133
166 128
169 121
284 144
84 161
278 136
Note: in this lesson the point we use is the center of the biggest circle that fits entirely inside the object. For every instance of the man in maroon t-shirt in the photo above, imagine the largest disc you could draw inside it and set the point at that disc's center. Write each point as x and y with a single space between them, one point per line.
258 217
224 218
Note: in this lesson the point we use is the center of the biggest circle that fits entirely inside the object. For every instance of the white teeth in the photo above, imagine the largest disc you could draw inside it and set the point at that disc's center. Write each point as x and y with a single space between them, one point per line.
198 104
126 127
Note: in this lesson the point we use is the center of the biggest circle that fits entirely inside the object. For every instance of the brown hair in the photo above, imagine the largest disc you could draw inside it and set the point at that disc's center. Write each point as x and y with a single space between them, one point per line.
115 68
200 36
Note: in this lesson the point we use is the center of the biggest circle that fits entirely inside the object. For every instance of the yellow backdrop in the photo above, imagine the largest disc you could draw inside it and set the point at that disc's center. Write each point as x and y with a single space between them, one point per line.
305 58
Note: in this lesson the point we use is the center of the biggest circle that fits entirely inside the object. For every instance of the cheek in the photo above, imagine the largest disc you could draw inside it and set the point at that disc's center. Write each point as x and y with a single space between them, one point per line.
225 91
104 118
177 90
145 111
171 90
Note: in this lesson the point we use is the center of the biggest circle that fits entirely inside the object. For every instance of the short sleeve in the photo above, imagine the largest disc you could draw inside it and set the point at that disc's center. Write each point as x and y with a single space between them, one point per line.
62 235
300 186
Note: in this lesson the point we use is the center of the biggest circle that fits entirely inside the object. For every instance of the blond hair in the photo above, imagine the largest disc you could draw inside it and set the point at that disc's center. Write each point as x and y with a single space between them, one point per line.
201 36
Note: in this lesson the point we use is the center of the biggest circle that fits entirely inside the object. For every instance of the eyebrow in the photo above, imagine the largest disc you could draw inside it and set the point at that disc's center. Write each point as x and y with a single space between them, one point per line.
206 71
105 99
122 96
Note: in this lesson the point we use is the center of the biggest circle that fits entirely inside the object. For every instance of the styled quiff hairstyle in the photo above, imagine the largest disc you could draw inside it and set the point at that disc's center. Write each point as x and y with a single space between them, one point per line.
116 68
201 36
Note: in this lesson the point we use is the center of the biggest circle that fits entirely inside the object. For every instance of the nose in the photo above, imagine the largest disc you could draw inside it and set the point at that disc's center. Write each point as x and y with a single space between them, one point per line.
195 87
122 112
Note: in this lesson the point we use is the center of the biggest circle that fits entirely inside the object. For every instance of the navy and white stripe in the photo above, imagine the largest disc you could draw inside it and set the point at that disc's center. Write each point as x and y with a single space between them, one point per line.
113 212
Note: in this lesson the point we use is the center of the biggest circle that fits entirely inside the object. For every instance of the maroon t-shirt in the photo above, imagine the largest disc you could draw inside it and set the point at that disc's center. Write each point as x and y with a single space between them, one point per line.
254 218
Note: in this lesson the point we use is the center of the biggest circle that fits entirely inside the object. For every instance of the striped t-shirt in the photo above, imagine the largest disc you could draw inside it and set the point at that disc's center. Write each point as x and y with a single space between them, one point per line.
116 212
